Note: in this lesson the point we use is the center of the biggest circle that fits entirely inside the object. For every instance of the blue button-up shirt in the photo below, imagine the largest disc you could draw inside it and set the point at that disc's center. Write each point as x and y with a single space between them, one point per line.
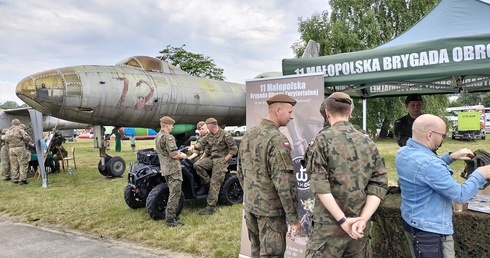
428 188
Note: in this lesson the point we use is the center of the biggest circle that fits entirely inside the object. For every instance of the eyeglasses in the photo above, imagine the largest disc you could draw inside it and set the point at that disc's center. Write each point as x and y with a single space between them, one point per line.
441 134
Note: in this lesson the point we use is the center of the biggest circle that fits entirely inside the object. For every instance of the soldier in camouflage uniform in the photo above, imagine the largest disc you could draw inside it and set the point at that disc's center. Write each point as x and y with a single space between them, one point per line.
326 125
17 139
5 158
309 149
265 171
28 146
197 149
403 126
348 180
220 147
169 157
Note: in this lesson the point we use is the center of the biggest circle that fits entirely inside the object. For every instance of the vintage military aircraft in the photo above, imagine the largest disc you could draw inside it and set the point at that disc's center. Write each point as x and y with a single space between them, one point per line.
49 122
135 92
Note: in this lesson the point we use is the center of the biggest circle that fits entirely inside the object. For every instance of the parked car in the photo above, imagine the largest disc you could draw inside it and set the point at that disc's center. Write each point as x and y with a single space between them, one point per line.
239 130
230 129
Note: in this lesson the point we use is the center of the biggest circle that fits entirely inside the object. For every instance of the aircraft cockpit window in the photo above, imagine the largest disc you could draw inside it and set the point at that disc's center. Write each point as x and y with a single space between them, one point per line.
143 62
151 64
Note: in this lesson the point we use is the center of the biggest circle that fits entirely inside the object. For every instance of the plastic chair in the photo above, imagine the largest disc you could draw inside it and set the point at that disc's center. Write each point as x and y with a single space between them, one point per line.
67 159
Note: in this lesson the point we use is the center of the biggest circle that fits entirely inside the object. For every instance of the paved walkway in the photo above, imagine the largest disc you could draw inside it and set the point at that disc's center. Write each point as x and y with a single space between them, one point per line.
24 240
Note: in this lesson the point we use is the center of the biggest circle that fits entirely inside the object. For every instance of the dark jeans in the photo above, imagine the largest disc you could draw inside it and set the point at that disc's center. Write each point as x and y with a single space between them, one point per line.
425 244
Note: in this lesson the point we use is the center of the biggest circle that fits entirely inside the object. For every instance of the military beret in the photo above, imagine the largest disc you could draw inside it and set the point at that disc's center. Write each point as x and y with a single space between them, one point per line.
341 97
167 120
413 97
211 121
200 124
281 98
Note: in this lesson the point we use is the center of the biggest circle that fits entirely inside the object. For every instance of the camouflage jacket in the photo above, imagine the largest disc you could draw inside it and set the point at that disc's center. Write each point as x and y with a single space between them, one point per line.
219 145
17 137
167 148
265 171
403 130
347 164
200 145
309 149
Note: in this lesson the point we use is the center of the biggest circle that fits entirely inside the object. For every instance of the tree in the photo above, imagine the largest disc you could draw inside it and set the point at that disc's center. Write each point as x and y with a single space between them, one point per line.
364 24
11 104
485 99
470 99
194 64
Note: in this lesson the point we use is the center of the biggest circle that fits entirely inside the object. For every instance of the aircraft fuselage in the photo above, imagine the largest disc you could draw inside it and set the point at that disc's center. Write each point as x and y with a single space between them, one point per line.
134 93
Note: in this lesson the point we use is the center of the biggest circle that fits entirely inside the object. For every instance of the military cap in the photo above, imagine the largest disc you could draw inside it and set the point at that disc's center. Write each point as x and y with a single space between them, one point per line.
341 97
211 120
200 124
281 98
167 120
15 122
413 97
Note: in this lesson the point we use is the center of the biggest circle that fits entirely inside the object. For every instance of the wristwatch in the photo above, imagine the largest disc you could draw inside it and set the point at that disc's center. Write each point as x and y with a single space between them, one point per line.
342 220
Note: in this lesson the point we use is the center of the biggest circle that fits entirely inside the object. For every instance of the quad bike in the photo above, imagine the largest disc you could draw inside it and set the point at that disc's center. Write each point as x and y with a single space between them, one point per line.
147 187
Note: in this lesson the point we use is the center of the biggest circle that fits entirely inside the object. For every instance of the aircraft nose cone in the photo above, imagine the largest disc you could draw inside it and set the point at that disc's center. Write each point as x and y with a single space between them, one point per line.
26 89
42 91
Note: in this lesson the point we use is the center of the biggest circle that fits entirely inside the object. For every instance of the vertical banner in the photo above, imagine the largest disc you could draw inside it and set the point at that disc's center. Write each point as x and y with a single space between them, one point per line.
308 90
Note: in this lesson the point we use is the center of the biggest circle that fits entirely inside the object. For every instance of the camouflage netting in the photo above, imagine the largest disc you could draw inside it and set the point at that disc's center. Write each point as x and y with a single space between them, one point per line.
471 232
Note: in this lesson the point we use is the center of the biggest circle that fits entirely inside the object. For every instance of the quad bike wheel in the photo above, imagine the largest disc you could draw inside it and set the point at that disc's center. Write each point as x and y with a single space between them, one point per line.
157 199
231 192
132 199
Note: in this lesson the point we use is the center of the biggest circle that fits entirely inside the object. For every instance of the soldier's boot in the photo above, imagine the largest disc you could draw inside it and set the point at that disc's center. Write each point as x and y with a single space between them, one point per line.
174 223
23 182
208 211
203 190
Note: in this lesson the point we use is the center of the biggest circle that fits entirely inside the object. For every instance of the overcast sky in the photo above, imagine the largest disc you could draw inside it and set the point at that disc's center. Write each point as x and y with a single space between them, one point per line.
245 38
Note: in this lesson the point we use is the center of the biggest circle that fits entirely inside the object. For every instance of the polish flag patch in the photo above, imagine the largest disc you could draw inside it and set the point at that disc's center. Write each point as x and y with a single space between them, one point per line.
286 144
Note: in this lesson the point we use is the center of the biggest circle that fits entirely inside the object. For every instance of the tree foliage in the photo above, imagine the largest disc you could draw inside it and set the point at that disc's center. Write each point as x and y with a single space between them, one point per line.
364 24
472 99
11 104
192 63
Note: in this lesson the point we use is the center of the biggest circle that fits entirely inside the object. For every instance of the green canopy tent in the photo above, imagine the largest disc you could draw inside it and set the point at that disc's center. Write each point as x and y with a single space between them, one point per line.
448 51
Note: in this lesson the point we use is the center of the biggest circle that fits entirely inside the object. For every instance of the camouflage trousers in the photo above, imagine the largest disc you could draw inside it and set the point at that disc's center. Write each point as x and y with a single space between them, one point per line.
5 162
267 235
219 168
18 163
174 183
332 241
201 166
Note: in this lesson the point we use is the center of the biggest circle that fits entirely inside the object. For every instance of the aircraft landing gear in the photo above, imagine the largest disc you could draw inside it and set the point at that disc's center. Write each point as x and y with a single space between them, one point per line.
108 166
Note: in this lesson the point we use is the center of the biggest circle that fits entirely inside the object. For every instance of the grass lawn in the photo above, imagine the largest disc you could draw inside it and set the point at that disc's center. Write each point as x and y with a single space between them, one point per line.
88 202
